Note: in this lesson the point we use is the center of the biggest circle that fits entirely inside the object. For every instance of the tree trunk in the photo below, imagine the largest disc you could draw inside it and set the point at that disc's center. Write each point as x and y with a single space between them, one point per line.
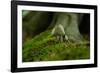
36 22
70 23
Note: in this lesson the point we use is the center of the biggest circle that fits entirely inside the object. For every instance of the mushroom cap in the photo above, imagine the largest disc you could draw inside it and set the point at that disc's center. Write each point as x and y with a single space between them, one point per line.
58 29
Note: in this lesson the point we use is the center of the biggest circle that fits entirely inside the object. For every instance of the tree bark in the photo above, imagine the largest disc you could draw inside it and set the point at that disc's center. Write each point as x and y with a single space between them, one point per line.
36 22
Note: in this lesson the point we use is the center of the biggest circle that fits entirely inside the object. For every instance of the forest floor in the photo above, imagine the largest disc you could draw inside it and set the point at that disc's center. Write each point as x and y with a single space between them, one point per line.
44 47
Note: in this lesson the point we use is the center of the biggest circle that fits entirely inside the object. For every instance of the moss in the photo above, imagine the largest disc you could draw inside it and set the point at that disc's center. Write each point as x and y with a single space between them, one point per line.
44 47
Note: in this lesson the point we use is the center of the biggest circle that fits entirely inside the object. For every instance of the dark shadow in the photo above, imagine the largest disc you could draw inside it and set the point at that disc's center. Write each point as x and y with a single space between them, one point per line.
85 25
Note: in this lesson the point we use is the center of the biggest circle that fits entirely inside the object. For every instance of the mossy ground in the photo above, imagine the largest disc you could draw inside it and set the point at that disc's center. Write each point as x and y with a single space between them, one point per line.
44 47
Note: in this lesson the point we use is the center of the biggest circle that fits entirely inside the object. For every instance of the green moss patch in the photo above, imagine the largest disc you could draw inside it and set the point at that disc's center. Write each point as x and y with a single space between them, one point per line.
44 47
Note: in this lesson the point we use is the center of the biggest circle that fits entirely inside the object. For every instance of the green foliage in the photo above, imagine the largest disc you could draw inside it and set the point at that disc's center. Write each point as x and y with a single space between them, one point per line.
44 47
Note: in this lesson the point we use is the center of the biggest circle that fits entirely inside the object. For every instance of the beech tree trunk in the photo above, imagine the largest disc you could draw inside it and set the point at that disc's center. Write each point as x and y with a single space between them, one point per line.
35 22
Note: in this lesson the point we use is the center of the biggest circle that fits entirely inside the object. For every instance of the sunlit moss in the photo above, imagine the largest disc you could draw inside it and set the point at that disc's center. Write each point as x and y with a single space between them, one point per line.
44 47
